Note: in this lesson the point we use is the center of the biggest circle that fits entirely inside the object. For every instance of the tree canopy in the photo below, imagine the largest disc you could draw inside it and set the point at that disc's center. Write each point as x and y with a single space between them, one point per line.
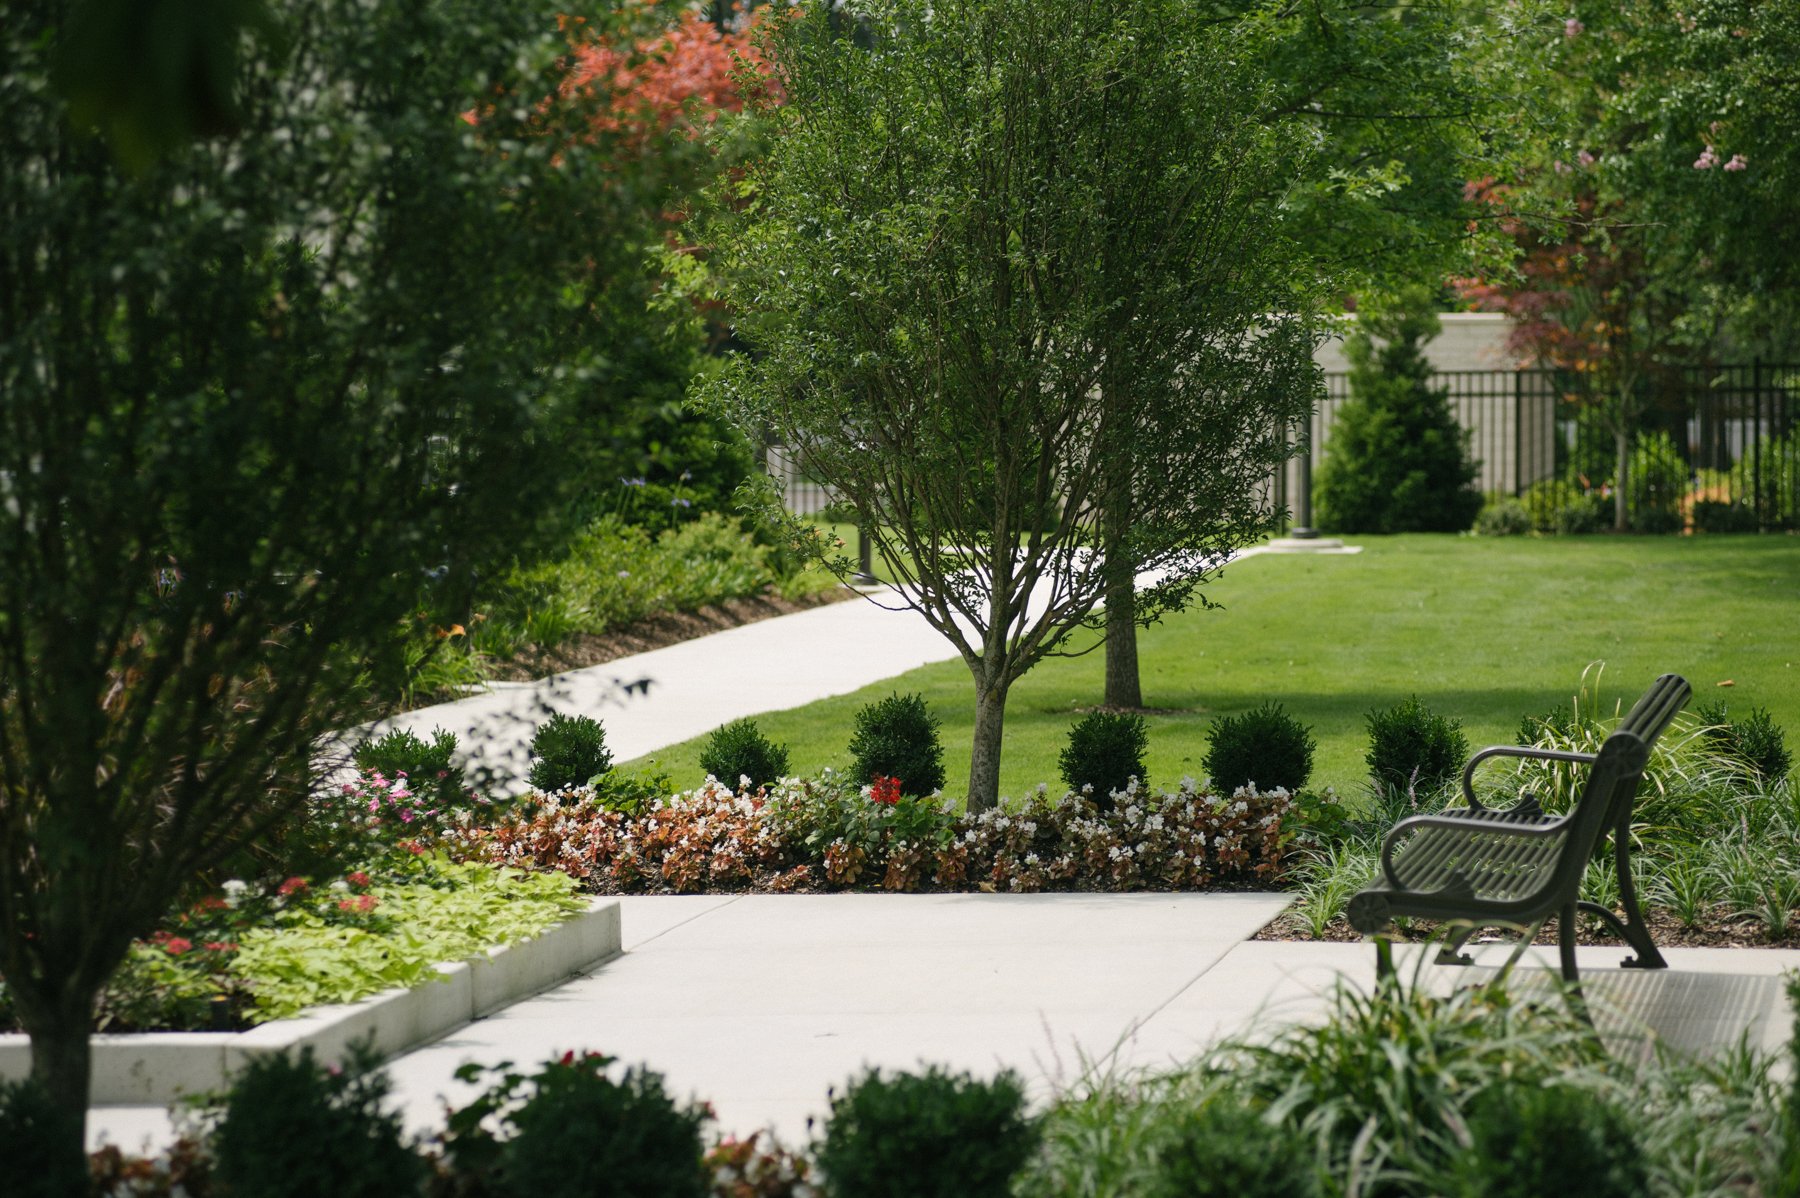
929 275
255 395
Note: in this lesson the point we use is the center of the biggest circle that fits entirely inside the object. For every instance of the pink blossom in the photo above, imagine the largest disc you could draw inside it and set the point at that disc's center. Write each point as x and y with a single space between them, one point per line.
1584 158
1707 160
1562 168
1737 163
176 945
1573 28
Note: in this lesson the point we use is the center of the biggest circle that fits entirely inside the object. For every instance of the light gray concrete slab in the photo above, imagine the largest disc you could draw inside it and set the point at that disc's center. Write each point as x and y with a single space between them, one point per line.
1700 1006
763 1004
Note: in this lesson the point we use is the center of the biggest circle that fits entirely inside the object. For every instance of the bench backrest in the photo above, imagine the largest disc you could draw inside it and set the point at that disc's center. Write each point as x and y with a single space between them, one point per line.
1613 779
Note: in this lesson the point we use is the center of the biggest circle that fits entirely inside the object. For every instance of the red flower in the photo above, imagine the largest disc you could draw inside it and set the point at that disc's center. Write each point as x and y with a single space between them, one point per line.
220 946
363 903
884 790
213 903
292 886
176 945
359 878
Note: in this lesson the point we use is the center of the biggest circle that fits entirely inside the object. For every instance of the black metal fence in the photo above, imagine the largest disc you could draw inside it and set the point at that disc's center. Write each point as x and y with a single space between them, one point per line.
1713 448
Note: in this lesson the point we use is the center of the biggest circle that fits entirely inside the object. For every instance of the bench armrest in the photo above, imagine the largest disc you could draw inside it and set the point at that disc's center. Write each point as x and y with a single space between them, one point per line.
1468 775
1498 827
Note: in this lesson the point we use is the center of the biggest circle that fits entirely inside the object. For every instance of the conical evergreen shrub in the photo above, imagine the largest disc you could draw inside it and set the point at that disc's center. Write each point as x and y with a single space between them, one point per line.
1397 461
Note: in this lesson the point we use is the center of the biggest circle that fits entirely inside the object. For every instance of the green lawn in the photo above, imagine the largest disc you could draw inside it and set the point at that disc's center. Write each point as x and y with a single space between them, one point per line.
1483 630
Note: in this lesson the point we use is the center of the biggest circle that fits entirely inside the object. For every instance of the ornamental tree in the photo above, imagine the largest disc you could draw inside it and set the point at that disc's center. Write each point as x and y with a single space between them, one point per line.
933 273
251 399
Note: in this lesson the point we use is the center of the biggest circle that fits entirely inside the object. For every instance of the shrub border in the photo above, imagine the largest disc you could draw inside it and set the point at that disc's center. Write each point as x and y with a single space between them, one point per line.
160 1067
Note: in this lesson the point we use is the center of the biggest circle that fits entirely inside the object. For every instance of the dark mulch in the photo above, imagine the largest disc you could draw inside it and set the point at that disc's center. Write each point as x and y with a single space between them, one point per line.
657 632
1716 930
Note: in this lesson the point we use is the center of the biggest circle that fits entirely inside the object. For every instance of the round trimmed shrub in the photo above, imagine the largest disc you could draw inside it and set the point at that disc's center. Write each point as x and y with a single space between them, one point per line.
1529 1140
430 769
739 750
40 1145
1105 751
1754 741
583 1135
294 1127
1225 1150
897 737
568 751
1413 749
929 1135
1264 745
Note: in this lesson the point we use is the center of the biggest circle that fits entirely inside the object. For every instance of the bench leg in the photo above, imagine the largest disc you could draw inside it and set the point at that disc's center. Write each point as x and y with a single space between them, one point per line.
1451 953
1565 943
1384 960
1634 931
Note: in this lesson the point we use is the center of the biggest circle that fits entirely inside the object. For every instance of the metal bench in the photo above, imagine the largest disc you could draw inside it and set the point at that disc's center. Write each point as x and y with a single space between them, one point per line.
1476 866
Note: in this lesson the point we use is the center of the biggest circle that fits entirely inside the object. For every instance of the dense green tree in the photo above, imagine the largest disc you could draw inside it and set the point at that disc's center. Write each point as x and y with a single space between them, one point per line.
931 277
1398 459
252 396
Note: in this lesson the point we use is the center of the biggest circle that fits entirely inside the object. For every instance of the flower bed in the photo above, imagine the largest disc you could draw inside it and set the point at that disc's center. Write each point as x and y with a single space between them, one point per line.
817 834
391 910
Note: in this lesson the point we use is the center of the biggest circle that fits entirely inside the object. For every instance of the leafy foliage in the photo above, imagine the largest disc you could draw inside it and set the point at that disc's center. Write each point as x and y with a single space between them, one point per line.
577 1132
739 750
926 1135
40 1143
1105 751
1004 315
1264 745
1397 460
823 832
1225 1150
292 1127
429 768
1754 740
1412 748
1659 482
259 397
1531 1139
568 751
897 737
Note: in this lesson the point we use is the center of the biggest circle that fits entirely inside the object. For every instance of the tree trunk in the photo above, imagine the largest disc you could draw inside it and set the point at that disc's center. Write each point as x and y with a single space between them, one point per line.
984 758
1122 685
1621 479
60 1058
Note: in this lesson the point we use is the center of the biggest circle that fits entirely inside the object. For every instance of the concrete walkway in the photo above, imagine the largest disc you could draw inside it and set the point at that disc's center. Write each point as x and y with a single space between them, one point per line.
761 1004
688 689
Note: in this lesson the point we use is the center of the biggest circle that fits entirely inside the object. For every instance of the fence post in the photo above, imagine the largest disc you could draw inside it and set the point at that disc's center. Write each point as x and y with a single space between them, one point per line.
1753 441
1518 487
1303 529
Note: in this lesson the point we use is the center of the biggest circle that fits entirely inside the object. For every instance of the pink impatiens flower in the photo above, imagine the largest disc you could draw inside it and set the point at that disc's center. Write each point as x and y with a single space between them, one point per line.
1737 163
1573 27
1708 159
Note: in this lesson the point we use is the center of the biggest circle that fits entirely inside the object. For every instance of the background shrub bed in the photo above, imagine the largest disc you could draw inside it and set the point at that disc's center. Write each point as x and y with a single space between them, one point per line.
828 833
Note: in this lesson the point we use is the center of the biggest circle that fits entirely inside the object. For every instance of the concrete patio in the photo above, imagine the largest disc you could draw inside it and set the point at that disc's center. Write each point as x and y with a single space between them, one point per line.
762 1004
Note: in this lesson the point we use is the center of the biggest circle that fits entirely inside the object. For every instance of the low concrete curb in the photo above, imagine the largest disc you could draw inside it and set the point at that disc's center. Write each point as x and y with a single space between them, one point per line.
160 1067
